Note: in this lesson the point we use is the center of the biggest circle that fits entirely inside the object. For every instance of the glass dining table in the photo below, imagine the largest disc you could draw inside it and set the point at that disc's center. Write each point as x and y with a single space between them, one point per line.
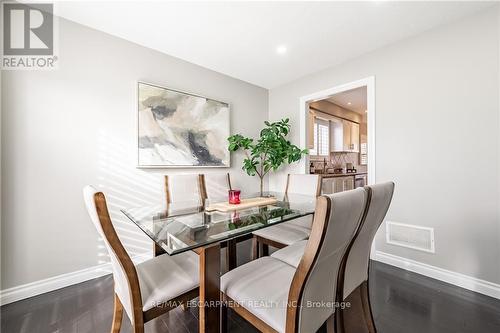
206 227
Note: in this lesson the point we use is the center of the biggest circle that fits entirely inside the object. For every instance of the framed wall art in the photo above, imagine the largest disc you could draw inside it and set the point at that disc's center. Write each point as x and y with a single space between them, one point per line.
178 129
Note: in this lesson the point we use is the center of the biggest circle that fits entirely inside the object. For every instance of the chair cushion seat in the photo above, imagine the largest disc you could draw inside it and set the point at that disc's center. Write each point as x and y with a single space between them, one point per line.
284 233
303 221
292 254
261 286
166 277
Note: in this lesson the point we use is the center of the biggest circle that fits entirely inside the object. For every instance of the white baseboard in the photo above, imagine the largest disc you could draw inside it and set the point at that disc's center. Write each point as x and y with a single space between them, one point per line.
57 282
461 280
43 286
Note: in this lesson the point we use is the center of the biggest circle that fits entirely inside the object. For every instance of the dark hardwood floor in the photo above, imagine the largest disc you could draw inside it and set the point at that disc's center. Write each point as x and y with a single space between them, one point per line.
403 302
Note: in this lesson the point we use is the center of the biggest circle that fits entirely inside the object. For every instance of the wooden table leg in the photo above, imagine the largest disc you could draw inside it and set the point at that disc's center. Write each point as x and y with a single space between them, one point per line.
157 250
265 250
255 248
231 254
209 289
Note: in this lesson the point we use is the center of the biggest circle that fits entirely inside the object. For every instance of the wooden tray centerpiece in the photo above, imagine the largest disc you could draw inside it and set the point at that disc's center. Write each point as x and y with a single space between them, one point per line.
244 204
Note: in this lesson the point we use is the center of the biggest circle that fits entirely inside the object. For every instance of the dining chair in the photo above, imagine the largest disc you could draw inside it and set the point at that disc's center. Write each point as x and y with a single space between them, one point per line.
354 271
287 233
216 186
185 189
277 297
152 287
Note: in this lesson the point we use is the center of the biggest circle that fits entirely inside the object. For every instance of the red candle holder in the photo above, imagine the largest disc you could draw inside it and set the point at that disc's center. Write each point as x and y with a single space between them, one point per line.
234 197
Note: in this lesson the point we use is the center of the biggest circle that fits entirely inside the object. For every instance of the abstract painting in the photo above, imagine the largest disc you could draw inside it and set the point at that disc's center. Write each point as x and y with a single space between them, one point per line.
177 129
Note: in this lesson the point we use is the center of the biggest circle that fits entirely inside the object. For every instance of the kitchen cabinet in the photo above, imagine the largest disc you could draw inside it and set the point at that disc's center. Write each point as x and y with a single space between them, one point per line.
343 184
354 137
337 184
327 185
360 180
344 136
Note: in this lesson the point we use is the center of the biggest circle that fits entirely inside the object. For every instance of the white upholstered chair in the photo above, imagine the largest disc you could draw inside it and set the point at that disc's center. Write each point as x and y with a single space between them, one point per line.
355 268
185 189
273 295
303 184
355 281
216 185
185 192
290 232
149 289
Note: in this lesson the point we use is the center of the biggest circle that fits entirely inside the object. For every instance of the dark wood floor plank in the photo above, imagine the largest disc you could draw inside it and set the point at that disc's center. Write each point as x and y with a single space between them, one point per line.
402 302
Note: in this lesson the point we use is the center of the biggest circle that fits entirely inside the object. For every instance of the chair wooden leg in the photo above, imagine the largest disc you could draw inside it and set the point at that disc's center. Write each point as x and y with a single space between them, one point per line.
265 250
330 324
367 309
117 315
338 322
138 328
255 248
223 318
354 319
184 306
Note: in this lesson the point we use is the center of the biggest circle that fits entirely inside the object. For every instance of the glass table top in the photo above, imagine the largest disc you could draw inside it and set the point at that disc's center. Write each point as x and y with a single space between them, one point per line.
184 226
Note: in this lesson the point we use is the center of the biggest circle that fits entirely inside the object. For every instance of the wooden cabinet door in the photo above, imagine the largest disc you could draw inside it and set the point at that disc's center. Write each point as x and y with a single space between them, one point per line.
341 184
354 138
348 183
327 187
338 184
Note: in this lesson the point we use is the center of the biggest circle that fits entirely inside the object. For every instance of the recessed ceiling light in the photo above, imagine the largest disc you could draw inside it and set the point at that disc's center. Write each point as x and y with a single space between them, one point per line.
349 103
281 49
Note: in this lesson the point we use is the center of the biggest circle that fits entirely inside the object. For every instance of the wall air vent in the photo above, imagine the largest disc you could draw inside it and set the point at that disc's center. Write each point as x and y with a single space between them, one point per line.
411 236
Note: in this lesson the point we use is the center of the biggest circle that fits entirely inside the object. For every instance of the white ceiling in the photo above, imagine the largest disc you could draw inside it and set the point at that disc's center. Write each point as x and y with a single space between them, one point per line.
354 100
240 38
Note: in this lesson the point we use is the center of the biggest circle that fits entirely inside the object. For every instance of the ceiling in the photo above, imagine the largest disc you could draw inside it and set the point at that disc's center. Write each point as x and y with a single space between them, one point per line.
354 100
240 39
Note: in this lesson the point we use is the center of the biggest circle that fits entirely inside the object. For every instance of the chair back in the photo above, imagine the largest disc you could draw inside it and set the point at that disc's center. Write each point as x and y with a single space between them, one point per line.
124 273
336 221
216 185
184 189
358 258
303 184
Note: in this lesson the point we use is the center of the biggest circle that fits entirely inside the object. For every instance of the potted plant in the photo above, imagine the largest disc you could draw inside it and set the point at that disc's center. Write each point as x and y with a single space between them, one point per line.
269 152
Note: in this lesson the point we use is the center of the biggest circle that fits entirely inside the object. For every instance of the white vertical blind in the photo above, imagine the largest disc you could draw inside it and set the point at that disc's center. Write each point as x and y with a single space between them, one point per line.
321 138
314 151
363 153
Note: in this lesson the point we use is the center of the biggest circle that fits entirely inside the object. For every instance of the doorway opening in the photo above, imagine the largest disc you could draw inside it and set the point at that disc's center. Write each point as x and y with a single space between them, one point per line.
337 125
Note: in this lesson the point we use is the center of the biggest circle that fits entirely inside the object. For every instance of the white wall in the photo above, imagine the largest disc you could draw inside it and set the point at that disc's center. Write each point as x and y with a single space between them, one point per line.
74 126
498 147
437 137
437 99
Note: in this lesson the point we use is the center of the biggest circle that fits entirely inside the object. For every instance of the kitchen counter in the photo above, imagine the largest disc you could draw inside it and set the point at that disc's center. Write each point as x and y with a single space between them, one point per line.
330 175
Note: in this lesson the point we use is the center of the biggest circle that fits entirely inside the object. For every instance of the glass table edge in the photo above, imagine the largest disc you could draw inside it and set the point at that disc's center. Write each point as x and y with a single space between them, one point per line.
210 242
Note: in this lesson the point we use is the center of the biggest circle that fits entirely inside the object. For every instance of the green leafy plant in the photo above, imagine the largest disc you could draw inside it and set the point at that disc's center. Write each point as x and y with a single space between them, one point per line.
269 152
